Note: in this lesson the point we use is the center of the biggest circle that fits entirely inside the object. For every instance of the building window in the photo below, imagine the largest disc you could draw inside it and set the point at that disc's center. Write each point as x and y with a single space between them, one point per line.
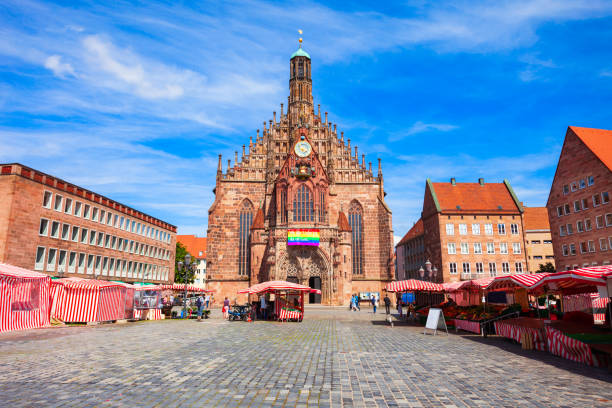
105 266
596 200
102 216
559 211
116 222
39 263
74 237
574 185
492 269
466 267
587 224
479 268
452 249
547 241
55 227
94 214
503 248
585 203
100 239
321 206
477 248
72 262
68 206
44 227
111 267
514 229
47 196
505 267
576 206
488 229
98 267
303 205
450 229
84 235
92 237
90 264
582 183
566 207
608 220
603 244
465 249
572 249
114 242
244 254
77 208
501 229
476 229
81 264
109 218
490 248
516 247
61 261
583 248
462 229
536 242
570 229
591 245
579 226
452 267
565 250
86 210
519 267
605 197
566 189
599 221
591 180
51 259
356 223
107 241
58 203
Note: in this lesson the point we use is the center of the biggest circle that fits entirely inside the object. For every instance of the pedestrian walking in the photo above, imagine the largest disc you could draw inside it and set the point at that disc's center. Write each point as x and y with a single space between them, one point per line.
387 304
207 300
357 302
200 306
263 307
226 303
399 307
373 300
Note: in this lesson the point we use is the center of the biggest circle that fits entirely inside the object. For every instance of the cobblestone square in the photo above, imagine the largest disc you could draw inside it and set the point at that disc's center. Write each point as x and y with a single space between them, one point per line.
334 358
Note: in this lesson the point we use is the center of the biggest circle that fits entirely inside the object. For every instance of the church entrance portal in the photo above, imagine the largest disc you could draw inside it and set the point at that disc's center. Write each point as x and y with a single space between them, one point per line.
315 283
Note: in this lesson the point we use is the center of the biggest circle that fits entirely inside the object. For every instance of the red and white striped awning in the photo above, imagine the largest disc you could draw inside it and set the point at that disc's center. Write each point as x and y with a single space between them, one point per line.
79 283
181 287
413 285
17 272
583 280
519 280
274 286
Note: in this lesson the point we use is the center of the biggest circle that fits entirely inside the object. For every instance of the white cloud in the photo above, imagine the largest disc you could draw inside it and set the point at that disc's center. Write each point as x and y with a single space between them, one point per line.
59 68
421 127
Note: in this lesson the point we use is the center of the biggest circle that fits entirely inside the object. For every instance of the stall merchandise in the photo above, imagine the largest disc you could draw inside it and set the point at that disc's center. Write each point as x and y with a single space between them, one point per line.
87 300
24 298
283 291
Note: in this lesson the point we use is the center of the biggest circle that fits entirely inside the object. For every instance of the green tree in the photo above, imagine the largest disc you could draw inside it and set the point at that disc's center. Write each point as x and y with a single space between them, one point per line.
179 275
548 267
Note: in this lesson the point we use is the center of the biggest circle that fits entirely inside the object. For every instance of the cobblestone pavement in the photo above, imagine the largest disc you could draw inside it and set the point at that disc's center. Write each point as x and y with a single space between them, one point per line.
334 358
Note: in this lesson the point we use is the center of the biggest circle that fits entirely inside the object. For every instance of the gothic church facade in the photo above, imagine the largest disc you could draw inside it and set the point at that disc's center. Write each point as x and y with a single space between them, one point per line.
299 173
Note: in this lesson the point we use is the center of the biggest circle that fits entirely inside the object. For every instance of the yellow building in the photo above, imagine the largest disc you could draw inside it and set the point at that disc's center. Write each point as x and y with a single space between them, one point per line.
538 240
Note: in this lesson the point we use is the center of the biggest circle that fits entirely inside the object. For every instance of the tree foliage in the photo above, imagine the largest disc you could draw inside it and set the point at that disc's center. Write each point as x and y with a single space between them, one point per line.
182 276
547 267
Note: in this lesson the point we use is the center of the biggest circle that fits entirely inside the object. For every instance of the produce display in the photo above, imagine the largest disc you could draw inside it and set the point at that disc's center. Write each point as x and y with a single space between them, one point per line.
472 313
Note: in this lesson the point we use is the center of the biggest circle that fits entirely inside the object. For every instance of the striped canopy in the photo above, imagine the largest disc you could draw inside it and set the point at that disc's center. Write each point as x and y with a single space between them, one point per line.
79 283
413 285
181 287
519 280
583 280
273 286
17 272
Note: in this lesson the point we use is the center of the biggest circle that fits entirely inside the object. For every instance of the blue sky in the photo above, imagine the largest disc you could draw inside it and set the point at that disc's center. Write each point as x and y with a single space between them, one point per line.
135 100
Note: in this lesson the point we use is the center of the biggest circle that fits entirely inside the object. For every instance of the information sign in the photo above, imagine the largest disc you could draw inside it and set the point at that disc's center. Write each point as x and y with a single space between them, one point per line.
435 321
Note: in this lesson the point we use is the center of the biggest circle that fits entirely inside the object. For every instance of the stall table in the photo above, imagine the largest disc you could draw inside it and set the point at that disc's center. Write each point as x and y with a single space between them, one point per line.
517 329
467 325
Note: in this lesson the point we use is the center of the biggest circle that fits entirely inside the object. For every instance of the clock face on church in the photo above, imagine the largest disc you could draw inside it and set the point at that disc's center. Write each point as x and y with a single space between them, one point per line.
303 148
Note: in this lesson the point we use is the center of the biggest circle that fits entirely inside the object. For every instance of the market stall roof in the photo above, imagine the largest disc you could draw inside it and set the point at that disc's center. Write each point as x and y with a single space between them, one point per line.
583 280
17 272
79 283
450 287
181 287
519 280
413 285
272 286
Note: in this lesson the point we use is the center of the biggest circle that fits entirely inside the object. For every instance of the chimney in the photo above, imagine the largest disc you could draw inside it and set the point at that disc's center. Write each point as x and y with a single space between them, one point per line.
481 181
453 181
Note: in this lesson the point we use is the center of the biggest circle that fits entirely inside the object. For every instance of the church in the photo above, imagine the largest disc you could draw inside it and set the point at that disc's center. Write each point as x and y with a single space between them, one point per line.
300 205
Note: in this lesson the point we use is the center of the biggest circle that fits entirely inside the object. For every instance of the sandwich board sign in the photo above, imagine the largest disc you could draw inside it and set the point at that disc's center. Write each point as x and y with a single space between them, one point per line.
435 321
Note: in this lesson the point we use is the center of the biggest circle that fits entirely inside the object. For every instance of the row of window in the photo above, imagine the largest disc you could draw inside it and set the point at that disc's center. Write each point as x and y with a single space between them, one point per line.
537 241
478 248
102 216
578 184
488 229
52 259
55 229
584 265
466 267
541 257
583 204
587 246
586 225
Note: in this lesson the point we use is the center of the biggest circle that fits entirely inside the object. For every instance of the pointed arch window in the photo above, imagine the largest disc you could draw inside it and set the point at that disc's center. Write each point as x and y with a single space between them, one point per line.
356 223
283 205
303 209
244 252
321 206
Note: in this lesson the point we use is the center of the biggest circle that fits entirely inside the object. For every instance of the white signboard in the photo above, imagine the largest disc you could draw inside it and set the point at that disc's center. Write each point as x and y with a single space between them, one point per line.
435 321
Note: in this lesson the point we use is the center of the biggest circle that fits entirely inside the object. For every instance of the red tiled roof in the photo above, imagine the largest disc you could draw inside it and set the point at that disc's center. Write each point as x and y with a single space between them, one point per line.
536 218
474 197
343 223
194 245
599 141
416 230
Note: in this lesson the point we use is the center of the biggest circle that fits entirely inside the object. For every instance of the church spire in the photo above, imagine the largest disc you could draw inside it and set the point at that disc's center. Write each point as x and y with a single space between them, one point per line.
300 89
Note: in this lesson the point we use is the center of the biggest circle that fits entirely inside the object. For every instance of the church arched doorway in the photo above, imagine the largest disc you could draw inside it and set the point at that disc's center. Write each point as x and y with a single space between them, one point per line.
315 283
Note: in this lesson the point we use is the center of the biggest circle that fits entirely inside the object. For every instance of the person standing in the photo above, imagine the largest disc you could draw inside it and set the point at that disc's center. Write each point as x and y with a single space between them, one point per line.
357 303
226 303
200 306
399 307
263 307
207 300
387 304
373 300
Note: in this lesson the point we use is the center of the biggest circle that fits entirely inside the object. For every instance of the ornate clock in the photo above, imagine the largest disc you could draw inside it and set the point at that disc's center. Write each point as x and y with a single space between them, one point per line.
303 148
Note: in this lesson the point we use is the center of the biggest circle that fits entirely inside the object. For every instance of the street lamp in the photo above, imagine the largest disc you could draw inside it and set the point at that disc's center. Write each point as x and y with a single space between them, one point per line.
185 267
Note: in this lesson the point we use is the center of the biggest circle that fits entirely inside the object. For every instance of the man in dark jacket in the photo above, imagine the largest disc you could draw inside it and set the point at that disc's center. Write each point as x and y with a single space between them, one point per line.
387 304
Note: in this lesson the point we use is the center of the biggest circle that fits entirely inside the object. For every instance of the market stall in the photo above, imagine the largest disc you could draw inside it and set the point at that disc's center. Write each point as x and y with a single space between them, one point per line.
288 298
147 302
24 298
88 300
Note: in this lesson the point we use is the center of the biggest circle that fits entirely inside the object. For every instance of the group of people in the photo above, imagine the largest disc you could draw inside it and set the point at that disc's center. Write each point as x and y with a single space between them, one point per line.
261 311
